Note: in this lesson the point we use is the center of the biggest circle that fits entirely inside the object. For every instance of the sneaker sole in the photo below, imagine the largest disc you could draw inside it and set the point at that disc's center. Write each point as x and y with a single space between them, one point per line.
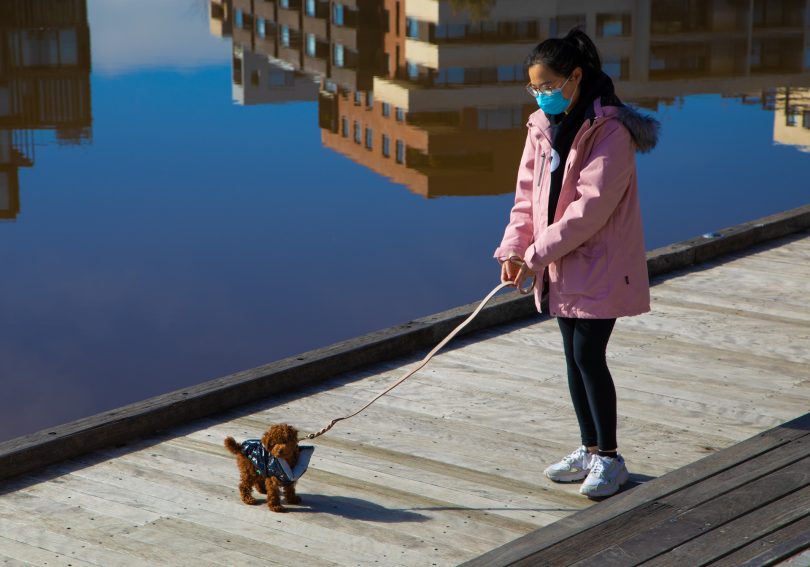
571 477
624 476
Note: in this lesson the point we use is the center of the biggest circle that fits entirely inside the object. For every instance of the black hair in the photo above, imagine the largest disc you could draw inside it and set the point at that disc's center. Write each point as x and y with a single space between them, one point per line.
563 55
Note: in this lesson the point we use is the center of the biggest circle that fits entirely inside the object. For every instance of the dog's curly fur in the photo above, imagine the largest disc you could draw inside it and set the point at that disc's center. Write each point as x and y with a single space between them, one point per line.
281 440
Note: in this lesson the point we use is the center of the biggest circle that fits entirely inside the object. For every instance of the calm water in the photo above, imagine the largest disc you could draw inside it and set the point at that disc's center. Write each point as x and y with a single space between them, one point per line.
190 190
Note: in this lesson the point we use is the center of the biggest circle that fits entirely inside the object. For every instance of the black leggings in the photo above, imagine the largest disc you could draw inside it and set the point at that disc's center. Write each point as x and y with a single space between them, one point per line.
589 380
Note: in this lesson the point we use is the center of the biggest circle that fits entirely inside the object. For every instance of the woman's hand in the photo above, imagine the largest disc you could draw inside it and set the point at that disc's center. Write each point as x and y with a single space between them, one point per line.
509 271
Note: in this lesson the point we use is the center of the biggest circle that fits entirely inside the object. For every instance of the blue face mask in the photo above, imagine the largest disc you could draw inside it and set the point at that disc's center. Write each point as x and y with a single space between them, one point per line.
553 103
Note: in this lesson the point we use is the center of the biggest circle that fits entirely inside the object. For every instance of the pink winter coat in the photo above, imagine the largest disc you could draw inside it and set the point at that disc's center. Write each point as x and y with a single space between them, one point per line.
594 249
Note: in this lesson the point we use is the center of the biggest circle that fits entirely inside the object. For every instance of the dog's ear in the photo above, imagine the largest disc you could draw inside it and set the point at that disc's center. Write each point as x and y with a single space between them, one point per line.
268 439
292 434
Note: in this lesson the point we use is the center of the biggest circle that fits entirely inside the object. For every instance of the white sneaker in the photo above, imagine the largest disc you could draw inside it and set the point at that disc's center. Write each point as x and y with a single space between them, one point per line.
606 476
573 467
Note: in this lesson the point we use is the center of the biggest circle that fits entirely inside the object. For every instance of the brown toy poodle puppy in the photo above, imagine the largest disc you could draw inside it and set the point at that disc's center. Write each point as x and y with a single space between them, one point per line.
260 467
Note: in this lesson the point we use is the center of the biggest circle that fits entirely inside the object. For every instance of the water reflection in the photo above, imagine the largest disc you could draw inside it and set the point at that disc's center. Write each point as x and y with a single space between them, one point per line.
424 91
44 84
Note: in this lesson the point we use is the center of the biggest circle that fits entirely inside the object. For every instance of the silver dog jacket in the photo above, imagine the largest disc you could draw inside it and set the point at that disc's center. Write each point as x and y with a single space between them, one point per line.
268 465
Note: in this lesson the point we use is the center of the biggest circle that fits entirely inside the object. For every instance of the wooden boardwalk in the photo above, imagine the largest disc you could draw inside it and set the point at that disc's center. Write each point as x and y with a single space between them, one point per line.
448 466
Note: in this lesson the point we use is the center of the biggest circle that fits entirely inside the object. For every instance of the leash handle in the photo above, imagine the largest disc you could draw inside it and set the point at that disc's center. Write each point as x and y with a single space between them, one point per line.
523 269
444 341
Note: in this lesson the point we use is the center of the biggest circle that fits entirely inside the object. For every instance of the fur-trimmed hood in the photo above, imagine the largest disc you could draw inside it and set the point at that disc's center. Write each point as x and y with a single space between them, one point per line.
643 128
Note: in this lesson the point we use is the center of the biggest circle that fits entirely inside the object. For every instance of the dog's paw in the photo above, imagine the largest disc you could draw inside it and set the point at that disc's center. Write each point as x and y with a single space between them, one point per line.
249 500
277 508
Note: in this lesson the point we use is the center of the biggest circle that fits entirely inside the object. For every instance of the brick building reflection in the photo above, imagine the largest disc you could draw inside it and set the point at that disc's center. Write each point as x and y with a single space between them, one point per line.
429 92
44 83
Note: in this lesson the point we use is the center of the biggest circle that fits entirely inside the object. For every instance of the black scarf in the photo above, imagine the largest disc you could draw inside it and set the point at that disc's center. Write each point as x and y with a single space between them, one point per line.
564 128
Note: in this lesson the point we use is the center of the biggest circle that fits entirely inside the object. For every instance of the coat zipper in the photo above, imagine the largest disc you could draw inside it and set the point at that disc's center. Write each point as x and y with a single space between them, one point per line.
542 168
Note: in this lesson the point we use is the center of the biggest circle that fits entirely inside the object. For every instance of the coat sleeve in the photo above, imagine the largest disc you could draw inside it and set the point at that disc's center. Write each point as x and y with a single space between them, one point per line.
520 230
603 181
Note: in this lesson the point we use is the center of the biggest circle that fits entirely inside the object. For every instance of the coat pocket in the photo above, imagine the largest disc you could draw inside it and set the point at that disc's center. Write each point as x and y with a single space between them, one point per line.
584 271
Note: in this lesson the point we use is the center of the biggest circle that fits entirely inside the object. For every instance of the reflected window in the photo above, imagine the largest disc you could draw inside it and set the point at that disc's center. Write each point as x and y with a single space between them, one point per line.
68 47
281 78
450 31
238 19
358 98
386 146
337 55
412 69
400 151
369 138
807 53
344 127
412 28
386 109
357 135
5 194
511 74
285 36
616 67
284 3
400 114
756 53
261 29
560 25
451 76
311 45
369 100
337 14
791 116
310 8
5 101
508 118
806 119
613 25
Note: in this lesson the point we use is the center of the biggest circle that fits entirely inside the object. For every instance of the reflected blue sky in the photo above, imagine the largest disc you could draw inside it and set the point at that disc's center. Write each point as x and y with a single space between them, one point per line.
191 237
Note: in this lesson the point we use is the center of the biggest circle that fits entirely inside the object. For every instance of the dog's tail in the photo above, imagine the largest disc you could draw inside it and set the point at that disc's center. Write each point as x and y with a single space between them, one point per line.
232 446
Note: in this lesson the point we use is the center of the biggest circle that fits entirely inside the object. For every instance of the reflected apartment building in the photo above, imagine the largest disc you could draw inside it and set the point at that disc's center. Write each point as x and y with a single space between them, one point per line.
293 46
437 101
791 118
44 83
259 75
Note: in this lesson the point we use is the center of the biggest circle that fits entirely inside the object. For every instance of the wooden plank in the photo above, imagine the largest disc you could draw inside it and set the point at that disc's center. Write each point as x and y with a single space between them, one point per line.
774 546
407 478
180 528
802 558
223 548
738 533
498 522
58 544
78 529
661 511
695 521
729 333
534 544
217 507
24 554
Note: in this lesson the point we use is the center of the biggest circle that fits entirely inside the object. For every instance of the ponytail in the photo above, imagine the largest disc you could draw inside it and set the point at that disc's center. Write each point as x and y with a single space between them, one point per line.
563 55
590 61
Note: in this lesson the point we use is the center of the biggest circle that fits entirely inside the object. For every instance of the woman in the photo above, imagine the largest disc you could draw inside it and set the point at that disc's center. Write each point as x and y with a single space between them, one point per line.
576 223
